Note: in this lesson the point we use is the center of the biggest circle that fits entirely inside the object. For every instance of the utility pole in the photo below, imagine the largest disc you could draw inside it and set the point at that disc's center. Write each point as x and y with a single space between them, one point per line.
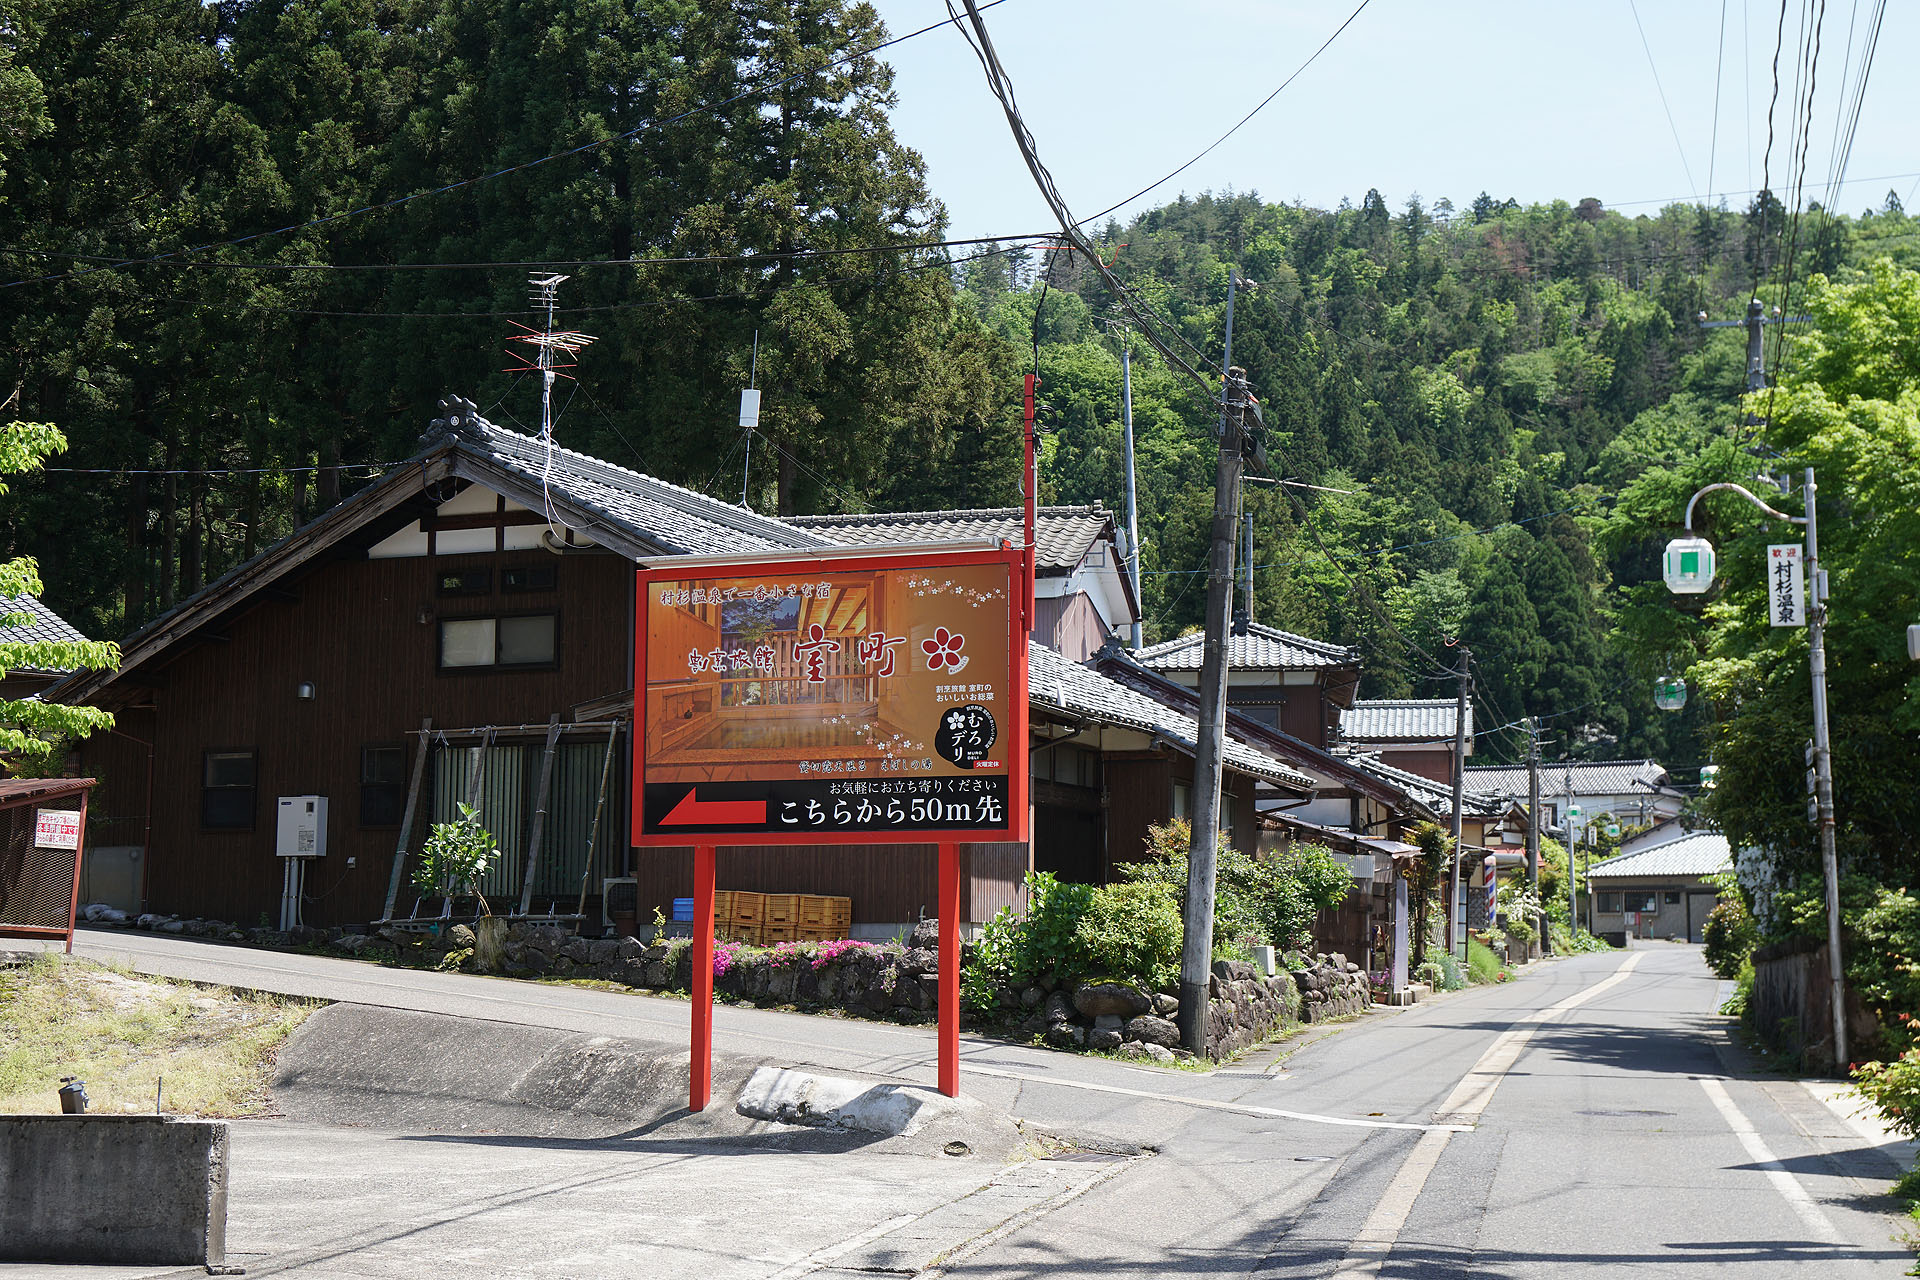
1533 831
1243 607
1196 951
1456 905
1133 510
1573 901
1823 772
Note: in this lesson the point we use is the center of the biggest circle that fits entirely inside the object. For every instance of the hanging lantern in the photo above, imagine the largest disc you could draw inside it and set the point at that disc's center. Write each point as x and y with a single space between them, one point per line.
1688 565
1613 831
1709 775
1670 693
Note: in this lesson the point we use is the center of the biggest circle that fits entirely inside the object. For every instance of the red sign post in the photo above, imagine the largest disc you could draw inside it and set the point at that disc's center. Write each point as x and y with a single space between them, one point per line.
856 698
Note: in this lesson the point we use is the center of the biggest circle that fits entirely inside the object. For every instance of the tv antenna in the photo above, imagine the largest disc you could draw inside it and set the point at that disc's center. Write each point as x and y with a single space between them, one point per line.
552 351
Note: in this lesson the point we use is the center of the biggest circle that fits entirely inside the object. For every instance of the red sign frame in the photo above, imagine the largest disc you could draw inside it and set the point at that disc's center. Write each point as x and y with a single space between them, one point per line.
1018 593
683 569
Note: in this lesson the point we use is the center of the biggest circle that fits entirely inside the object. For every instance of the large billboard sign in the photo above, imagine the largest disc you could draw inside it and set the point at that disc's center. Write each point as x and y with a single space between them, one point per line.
831 699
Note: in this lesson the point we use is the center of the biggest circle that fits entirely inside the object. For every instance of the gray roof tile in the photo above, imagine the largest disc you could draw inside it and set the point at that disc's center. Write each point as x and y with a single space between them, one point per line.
44 626
663 514
1474 801
1590 778
1062 535
1703 853
1401 720
1262 648
1052 680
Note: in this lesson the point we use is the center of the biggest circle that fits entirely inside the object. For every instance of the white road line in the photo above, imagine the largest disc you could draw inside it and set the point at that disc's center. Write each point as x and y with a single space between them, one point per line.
1796 1196
1468 1101
1211 1104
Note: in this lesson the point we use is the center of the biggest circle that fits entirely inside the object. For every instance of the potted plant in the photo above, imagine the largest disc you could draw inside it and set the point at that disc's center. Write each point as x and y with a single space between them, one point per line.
453 862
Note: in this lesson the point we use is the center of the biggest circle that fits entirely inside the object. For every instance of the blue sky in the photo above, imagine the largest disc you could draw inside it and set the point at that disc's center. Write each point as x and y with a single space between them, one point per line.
1538 101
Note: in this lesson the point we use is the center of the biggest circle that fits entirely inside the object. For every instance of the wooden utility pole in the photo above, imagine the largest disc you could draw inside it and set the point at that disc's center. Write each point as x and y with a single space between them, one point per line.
1196 952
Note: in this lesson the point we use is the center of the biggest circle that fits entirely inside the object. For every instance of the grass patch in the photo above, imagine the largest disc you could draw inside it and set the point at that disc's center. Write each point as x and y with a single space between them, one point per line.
1483 964
118 1032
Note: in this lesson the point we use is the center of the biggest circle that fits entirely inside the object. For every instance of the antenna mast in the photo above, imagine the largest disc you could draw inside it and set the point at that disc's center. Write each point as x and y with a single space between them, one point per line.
553 350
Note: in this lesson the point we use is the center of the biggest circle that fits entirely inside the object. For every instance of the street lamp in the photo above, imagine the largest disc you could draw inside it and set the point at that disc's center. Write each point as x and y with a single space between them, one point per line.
1689 571
1670 693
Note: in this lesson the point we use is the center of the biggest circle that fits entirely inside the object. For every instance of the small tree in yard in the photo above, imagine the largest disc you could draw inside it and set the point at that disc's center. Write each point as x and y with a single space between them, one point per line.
456 857
32 732
1423 881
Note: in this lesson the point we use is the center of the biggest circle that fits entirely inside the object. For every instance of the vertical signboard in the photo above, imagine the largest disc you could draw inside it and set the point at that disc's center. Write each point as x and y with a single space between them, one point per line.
824 701
1786 585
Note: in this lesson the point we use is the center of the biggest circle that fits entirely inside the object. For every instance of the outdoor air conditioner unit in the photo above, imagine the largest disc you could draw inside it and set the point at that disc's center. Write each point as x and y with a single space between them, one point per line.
618 893
302 828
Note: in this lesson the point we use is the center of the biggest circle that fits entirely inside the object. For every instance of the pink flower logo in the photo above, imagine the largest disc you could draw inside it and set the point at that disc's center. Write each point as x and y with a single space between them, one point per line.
943 651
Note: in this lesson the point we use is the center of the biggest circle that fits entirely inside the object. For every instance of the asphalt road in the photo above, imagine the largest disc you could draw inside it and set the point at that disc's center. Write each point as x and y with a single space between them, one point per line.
1589 1116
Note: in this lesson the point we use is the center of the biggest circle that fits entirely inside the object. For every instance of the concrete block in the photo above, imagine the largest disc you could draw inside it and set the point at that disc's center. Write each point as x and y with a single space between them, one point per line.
113 1189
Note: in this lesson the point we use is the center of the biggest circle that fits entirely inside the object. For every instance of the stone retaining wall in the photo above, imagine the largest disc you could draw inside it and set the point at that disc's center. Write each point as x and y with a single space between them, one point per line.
897 981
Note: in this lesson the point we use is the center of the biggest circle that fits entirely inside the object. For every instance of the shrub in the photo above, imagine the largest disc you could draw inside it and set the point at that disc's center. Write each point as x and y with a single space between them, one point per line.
1131 931
1483 964
1014 949
1894 1090
1736 1005
1731 935
456 856
1269 900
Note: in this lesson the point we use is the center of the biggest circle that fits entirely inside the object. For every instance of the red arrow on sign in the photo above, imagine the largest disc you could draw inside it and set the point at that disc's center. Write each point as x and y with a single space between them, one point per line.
691 812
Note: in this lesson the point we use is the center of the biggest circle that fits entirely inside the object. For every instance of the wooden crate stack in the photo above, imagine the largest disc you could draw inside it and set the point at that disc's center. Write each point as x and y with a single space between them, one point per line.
823 919
764 919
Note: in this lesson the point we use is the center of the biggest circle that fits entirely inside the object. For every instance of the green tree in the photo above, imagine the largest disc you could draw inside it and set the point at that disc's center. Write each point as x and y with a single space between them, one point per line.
31 731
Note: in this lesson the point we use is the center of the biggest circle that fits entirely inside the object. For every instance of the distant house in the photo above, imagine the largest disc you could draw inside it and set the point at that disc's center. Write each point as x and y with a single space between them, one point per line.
1292 682
1415 734
1659 890
1633 792
1083 597
40 625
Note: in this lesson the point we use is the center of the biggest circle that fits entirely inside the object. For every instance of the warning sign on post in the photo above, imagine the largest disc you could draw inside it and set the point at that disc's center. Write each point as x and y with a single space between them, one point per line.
56 828
831 700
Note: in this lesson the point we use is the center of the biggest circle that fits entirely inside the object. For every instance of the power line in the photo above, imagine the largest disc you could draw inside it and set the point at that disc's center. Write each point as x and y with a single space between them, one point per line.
1661 90
1719 57
397 201
1237 124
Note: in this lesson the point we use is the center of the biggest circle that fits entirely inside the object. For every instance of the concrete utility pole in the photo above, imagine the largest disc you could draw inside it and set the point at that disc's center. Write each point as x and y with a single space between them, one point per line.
1823 773
1196 952
1133 510
1533 830
1573 901
1456 904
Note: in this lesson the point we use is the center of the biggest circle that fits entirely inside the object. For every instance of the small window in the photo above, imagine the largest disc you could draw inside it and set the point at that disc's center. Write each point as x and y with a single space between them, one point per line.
525 640
529 577
464 582
1642 900
467 642
1672 897
226 790
1607 903
383 786
1182 800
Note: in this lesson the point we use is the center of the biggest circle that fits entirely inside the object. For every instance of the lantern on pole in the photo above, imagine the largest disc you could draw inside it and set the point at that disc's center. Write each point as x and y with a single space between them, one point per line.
1670 693
1688 565
1709 775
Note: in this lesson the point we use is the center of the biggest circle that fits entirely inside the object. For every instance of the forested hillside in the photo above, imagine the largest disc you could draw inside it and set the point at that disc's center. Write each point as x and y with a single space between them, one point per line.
1484 380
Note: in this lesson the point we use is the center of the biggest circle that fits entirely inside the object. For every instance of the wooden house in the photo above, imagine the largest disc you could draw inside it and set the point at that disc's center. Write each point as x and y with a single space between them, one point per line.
460 631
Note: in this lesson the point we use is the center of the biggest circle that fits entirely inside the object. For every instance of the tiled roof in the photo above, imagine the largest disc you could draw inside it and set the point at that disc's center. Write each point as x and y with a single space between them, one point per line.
1401 720
1475 802
1054 681
1260 649
44 627
1704 853
1062 535
1590 778
662 514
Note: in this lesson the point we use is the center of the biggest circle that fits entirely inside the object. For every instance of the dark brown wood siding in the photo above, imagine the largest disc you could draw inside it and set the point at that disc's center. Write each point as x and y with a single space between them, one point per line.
366 633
